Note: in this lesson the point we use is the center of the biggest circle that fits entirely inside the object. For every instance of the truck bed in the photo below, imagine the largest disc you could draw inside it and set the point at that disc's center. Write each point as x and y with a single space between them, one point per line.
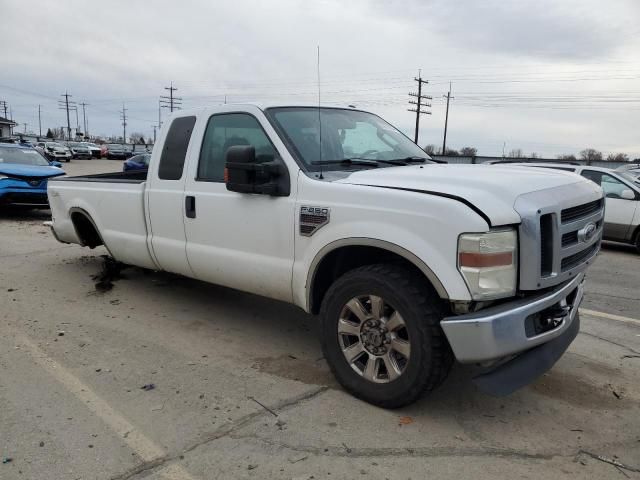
114 202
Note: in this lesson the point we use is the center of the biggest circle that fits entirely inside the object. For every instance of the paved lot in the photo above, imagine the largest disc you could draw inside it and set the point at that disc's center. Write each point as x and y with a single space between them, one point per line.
241 389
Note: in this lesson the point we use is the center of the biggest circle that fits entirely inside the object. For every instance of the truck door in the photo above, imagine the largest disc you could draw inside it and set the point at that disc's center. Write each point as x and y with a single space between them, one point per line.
239 240
165 198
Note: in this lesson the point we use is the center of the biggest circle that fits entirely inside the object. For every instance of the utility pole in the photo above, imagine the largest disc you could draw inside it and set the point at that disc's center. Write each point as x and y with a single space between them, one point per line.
446 120
154 133
25 127
4 105
84 118
66 105
419 102
170 101
159 113
123 117
39 122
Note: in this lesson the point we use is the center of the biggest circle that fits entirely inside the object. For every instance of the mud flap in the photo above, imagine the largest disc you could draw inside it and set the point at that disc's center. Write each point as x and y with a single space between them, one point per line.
527 367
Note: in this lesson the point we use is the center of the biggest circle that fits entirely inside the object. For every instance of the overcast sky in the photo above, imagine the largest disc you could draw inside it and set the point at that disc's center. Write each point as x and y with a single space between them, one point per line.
546 76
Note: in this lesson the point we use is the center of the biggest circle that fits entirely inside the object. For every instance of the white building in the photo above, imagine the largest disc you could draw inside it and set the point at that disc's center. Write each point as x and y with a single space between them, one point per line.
5 127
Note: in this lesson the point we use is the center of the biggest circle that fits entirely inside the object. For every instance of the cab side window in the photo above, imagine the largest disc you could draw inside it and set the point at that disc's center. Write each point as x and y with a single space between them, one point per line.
611 186
175 147
230 130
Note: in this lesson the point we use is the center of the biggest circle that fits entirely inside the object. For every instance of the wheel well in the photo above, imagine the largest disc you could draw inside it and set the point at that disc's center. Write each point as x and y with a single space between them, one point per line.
339 261
86 229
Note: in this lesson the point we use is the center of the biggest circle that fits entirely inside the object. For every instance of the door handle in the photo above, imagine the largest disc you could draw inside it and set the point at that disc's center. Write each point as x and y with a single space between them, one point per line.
190 206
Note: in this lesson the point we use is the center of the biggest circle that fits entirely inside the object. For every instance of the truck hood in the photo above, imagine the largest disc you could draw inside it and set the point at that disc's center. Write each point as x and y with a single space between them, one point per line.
17 170
490 190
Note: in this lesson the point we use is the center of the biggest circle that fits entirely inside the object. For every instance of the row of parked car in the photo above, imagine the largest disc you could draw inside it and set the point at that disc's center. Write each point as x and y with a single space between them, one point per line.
65 151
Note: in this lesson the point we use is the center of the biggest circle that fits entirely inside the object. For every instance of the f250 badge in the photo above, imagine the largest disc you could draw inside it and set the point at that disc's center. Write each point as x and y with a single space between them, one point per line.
312 219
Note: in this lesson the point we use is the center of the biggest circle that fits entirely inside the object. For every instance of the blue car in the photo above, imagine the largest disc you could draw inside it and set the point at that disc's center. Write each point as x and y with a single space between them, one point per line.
137 162
23 176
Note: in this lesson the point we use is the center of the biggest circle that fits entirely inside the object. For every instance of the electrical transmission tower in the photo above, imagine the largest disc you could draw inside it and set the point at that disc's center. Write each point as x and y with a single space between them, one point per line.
123 117
67 105
170 101
446 120
420 102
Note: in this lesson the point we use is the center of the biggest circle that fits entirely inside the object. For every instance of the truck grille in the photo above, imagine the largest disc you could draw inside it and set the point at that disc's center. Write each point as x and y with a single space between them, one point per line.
566 236
574 213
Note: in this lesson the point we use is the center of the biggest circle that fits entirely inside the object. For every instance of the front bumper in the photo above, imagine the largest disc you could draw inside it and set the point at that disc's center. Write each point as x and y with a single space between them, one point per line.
505 330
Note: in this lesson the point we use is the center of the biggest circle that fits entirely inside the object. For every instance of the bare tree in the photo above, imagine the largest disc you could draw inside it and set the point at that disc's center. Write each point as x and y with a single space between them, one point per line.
469 151
567 157
452 153
617 157
590 155
516 153
534 155
430 149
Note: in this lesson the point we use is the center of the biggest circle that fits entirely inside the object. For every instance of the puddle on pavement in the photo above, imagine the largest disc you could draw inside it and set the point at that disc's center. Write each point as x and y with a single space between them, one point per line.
303 370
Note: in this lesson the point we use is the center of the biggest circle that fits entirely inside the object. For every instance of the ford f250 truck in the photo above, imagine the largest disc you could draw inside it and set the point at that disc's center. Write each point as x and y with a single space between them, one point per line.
409 264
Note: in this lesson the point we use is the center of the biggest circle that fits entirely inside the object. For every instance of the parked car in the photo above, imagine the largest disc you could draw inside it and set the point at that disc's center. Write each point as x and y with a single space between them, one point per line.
56 151
115 150
79 150
409 263
622 193
93 148
137 162
23 176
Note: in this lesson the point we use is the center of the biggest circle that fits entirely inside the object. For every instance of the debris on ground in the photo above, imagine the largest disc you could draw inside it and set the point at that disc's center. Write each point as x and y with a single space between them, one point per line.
61 333
265 407
42 444
148 386
11 289
405 420
298 458
251 467
610 461
7 459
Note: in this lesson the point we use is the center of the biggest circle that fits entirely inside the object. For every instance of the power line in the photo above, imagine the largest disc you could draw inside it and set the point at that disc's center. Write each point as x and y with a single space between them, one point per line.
419 103
446 121
170 101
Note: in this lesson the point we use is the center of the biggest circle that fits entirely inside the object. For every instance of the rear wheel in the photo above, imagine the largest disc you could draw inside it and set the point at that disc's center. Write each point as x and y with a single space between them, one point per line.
381 334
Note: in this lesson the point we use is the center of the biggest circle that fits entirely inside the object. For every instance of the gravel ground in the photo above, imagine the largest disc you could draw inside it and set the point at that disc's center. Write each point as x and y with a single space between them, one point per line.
240 388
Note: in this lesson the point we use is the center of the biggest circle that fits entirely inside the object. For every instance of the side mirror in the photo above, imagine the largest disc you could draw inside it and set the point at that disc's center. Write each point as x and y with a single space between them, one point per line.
55 164
244 173
627 194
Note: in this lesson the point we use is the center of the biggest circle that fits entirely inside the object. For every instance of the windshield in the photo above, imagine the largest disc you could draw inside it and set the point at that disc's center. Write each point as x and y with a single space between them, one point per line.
115 147
632 176
346 134
22 156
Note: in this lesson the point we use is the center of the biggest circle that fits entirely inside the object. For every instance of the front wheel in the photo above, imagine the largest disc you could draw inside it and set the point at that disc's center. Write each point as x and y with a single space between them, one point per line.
381 334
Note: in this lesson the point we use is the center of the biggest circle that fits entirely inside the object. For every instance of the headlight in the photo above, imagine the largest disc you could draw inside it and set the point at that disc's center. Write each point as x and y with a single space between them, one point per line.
488 263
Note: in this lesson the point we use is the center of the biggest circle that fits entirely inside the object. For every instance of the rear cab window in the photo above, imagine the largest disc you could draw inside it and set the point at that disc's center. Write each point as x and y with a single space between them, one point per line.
175 148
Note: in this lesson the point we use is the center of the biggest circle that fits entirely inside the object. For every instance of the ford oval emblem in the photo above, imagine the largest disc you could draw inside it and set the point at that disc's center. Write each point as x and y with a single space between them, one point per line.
587 232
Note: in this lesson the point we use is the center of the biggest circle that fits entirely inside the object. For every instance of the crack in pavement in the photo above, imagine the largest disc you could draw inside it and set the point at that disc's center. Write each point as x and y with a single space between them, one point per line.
426 452
610 341
223 431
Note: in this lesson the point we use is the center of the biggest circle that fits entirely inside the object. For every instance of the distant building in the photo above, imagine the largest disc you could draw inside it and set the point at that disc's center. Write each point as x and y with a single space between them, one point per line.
5 127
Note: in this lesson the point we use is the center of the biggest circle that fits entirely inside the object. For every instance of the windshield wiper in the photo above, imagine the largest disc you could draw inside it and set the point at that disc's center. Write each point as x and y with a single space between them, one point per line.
348 161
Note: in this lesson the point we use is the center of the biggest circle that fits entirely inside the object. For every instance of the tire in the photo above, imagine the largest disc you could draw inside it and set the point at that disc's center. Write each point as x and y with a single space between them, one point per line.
407 294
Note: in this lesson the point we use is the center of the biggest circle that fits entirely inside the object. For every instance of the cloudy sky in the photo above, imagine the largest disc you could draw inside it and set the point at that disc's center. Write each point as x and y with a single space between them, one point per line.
546 76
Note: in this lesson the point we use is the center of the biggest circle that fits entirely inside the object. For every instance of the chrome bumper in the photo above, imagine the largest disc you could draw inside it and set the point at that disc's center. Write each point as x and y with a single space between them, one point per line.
500 331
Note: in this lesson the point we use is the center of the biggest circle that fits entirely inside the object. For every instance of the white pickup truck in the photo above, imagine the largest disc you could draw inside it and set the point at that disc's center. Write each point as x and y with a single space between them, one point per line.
408 263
